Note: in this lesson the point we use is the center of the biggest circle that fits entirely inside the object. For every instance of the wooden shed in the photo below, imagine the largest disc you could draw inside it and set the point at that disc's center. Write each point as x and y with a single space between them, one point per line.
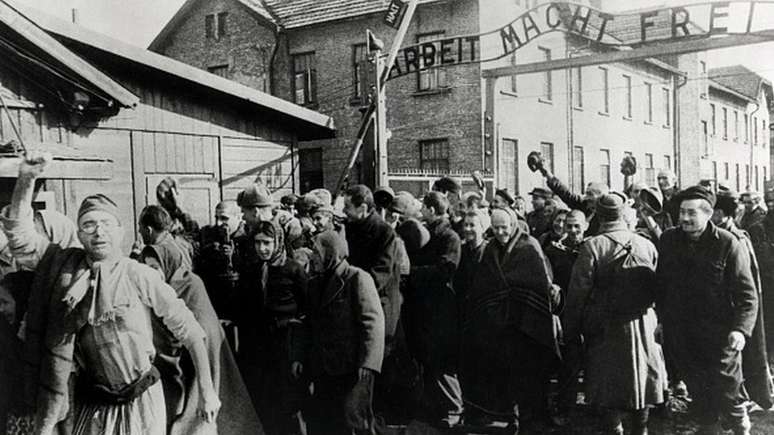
119 118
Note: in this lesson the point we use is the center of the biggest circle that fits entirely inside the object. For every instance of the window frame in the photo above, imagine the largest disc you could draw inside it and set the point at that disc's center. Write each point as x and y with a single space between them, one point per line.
356 73
667 94
649 102
547 92
221 18
209 26
736 126
604 165
725 123
437 73
605 90
628 114
579 165
713 121
578 88
423 159
310 90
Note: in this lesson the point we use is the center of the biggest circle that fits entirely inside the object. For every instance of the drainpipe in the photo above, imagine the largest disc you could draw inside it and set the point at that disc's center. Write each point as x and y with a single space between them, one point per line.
752 126
676 85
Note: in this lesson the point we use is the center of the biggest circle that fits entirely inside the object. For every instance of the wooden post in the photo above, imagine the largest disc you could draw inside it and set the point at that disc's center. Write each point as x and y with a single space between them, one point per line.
380 169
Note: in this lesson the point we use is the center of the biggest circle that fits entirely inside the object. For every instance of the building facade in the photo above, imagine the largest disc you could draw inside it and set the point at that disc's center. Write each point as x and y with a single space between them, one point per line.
169 119
583 120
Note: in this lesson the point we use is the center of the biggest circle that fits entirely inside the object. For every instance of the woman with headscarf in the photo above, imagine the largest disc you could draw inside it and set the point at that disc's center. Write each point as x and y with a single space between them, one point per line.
509 340
340 345
270 300
174 363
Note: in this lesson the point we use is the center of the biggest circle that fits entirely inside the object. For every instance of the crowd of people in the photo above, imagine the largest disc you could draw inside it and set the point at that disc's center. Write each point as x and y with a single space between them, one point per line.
353 313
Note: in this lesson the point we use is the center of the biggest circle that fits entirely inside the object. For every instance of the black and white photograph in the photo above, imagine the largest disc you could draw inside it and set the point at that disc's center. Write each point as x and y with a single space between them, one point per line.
386 217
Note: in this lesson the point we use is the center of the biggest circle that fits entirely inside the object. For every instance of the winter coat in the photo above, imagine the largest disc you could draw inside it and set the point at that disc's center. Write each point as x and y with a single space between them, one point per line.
344 326
706 290
432 329
624 364
752 218
373 248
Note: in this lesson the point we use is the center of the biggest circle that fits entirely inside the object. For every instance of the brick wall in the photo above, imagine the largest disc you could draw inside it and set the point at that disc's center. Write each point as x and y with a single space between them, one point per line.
246 48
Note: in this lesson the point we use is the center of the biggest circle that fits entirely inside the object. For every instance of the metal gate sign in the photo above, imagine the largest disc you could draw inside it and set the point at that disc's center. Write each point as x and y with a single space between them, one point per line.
625 30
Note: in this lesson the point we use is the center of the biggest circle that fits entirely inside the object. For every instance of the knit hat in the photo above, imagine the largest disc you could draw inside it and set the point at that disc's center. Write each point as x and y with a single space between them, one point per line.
697 192
289 199
255 195
414 234
98 202
610 206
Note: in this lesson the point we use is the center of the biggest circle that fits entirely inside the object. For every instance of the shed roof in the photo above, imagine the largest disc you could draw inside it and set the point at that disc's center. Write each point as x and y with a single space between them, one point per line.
18 21
311 124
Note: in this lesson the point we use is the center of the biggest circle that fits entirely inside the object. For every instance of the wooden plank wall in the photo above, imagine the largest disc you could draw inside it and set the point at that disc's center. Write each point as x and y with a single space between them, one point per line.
246 160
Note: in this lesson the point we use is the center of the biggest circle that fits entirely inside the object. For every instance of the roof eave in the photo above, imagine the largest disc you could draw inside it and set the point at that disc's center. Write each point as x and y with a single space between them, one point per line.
726 89
13 18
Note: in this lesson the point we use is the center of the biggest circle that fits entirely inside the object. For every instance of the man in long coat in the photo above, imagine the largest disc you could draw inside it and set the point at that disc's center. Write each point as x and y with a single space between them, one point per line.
509 342
610 301
432 306
708 307
762 236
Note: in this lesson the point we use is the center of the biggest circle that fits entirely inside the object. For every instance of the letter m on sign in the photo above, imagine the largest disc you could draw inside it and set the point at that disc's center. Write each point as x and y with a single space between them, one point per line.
395 12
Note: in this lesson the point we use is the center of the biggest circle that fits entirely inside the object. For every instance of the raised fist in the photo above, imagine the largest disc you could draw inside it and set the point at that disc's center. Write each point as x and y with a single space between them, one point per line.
34 164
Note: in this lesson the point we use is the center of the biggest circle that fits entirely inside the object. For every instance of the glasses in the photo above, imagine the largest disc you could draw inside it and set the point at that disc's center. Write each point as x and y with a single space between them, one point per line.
90 227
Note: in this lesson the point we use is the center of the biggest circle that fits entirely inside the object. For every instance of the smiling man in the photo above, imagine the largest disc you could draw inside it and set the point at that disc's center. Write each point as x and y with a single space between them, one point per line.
708 318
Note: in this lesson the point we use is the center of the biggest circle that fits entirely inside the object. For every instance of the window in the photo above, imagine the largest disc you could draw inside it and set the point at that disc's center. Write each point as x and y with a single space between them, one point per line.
509 164
547 150
756 178
746 128
649 102
604 166
216 25
703 67
763 132
738 180
547 85
304 79
667 108
222 24
765 177
433 78
605 90
359 54
712 119
310 173
650 170
578 87
736 126
628 97
726 173
219 70
725 123
755 130
704 140
578 167
434 155
715 172
209 26
747 175
668 162
514 82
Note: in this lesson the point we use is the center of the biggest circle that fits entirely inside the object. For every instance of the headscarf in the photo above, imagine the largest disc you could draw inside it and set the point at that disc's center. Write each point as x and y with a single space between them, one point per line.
168 253
332 248
275 231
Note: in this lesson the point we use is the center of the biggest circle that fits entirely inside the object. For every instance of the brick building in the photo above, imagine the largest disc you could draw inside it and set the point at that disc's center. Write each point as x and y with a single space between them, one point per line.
583 120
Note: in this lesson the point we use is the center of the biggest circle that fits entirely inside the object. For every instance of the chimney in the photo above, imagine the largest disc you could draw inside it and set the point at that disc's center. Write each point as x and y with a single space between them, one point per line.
74 15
